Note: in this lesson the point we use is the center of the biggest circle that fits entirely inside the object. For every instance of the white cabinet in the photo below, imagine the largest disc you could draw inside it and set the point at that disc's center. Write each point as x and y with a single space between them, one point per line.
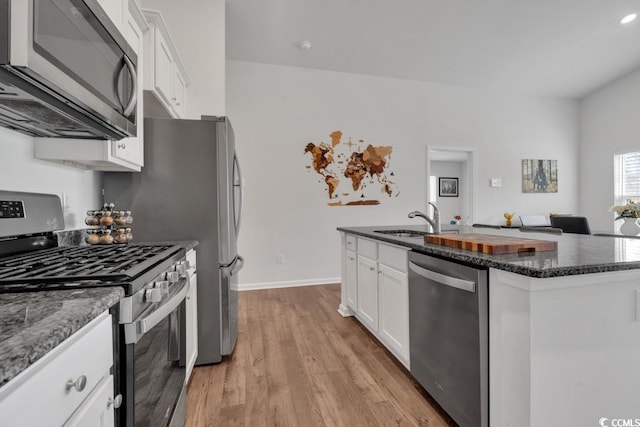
97 409
368 292
376 288
393 327
351 280
71 383
115 11
165 75
126 154
191 316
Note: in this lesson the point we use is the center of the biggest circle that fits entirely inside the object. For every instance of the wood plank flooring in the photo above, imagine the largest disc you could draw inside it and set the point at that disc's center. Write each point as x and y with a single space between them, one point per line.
297 362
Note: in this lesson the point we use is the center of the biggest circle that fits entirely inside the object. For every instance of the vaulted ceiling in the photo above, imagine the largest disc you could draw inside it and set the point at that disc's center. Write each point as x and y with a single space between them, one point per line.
565 48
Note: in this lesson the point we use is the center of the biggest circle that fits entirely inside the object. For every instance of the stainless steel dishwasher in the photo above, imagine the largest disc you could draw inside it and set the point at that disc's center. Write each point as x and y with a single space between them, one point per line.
449 336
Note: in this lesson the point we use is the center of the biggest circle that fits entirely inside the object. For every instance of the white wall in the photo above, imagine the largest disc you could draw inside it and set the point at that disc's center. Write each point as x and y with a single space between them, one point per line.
19 171
198 31
277 110
609 123
449 206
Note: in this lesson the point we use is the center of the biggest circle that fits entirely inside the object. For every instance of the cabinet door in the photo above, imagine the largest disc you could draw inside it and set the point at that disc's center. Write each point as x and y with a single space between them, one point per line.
164 68
179 90
394 311
130 149
368 292
114 10
86 355
351 280
192 325
97 409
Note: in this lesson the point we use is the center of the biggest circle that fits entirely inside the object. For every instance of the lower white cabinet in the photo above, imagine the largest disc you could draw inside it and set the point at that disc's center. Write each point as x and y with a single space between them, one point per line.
375 278
368 292
72 383
393 327
351 280
191 315
97 409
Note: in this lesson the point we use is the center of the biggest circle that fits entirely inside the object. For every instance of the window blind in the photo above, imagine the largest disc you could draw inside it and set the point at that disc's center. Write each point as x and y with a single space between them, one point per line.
627 177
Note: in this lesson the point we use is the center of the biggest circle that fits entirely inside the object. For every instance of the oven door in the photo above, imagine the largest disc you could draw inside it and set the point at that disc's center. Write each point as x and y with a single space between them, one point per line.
157 374
72 47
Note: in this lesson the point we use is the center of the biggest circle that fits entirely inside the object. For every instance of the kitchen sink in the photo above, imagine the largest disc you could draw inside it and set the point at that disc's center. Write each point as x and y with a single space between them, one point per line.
402 233
412 233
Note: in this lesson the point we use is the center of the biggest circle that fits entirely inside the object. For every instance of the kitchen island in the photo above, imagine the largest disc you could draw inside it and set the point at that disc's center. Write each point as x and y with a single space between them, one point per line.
564 325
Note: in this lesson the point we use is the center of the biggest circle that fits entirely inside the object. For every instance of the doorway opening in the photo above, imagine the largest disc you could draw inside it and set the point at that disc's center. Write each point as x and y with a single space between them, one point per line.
451 183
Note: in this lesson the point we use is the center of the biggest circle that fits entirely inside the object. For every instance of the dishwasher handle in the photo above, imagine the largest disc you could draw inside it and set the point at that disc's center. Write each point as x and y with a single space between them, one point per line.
454 282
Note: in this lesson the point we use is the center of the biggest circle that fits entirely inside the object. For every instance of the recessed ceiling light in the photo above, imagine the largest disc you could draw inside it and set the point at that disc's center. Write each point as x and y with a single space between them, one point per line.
630 17
304 45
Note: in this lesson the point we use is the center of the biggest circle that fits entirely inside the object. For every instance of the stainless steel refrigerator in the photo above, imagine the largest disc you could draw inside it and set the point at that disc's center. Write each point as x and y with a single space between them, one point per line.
190 188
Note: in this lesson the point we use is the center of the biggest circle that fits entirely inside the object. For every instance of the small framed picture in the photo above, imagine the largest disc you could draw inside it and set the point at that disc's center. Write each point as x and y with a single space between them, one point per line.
448 187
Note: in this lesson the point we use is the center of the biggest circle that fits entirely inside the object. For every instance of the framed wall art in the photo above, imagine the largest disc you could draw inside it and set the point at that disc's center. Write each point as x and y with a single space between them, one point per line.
448 187
539 176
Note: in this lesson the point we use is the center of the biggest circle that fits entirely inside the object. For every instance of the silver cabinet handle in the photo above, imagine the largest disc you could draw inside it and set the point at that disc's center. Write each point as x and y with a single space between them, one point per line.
78 384
372 269
123 145
453 282
115 401
135 330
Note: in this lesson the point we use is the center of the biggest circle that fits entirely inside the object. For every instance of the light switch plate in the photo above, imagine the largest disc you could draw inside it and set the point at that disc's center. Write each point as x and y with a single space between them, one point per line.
496 182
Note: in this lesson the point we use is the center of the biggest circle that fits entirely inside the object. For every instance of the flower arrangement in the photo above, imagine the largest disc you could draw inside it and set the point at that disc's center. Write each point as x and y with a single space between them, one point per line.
508 216
630 210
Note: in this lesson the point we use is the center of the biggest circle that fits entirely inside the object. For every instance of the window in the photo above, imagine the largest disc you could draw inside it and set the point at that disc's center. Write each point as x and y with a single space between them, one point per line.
626 169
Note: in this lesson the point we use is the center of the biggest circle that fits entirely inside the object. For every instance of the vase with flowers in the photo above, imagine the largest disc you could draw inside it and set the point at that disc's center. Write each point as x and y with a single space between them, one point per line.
630 214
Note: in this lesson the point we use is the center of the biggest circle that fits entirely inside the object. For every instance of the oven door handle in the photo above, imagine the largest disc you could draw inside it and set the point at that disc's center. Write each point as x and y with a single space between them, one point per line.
135 330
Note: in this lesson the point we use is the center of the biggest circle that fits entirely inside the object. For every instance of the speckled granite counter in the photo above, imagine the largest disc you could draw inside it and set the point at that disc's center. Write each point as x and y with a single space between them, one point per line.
576 254
34 323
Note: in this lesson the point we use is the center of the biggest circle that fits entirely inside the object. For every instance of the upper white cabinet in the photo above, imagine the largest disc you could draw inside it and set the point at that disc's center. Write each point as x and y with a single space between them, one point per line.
105 155
165 75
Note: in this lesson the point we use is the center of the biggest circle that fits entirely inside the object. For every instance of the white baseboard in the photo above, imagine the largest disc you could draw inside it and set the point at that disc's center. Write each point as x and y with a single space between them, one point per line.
287 284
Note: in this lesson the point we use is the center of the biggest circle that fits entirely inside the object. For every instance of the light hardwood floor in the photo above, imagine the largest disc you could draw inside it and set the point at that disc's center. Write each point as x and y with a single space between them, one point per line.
297 362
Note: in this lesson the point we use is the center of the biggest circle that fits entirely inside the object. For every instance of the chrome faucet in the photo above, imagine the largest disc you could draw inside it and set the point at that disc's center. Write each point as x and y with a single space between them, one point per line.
434 223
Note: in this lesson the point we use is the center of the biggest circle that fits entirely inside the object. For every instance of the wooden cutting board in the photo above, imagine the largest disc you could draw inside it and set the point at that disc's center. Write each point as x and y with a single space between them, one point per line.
490 244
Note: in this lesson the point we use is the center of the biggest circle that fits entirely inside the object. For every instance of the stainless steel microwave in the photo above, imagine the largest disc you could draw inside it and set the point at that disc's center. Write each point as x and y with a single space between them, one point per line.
65 71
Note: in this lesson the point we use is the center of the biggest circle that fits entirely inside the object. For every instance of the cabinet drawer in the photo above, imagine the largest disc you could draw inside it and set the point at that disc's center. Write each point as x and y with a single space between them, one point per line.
351 242
88 352
393 257
368 248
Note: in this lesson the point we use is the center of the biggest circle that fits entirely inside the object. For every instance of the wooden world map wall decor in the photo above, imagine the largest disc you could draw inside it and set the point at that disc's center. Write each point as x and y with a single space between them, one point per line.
351 173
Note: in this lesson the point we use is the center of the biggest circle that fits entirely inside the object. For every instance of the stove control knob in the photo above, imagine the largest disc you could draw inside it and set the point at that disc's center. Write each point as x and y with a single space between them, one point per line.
173 276
181 268
163 285
153 295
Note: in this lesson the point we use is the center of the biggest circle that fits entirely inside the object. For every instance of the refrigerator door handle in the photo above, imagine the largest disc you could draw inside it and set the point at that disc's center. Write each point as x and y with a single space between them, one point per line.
237 265
240 192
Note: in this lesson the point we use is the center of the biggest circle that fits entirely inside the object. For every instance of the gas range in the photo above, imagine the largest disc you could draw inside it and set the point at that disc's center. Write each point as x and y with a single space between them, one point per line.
87 266
148 320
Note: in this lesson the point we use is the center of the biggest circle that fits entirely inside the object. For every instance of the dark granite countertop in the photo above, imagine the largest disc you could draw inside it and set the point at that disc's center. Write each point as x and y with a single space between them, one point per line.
33 323
576 254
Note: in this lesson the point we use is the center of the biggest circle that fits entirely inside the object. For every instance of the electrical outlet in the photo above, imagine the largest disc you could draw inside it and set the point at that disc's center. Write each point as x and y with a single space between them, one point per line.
280 259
